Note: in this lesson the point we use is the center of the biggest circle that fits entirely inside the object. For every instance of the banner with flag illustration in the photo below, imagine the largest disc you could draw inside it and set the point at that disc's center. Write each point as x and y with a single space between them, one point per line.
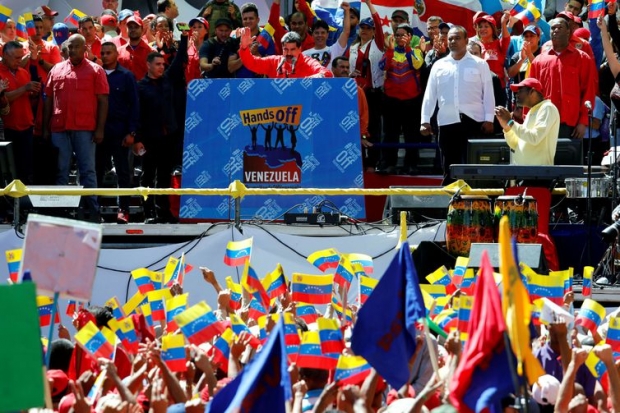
173 352
13 257
590 315
312 289
94 342
238 252
198 323
325 259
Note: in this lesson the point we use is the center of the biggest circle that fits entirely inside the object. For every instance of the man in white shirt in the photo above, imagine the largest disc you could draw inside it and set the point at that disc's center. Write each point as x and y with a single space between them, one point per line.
535 141
460 86
320 32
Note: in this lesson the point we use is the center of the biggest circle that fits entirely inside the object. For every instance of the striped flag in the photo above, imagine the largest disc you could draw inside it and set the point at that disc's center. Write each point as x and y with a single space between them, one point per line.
344 272
307 312
529 15
324 259
466 303
236 293
30 29
221 349
198 323
74 17
5 15
586 291
45 306
173 352
312 289
351 369
20 28
94 342
366 284
174 306
364 260
238 252
142 278
134 302
590 315
148 315
596 8
275 282
252 284
613 334
548 286
117 309
330 336
157 299
310 354
13 257
440 276
238 327
596 366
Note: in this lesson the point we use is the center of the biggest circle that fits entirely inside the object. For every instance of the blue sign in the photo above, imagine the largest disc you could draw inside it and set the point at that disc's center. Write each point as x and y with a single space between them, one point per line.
271 133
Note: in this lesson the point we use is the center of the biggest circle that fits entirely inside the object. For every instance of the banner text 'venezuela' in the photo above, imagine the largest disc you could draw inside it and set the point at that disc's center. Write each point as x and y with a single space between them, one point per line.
289 115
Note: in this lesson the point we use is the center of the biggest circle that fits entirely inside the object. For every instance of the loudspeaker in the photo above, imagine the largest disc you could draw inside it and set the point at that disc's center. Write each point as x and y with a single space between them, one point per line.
419 207
532 255
428 257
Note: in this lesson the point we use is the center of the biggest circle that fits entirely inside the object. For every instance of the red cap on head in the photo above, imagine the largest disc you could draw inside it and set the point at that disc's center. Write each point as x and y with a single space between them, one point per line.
59 379
529 82
48 12
566 15
135 19
107 20
487 18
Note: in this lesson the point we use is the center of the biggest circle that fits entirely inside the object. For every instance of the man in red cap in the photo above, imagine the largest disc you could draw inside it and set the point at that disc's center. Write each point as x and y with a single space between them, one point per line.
47 15
533 142
132 55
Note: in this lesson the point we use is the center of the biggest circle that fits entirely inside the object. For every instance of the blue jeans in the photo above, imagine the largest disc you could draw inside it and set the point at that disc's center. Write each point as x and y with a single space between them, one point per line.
81 143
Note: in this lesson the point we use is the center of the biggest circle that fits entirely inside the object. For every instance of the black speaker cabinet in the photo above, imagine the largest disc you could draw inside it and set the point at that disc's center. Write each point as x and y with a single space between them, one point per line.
532 255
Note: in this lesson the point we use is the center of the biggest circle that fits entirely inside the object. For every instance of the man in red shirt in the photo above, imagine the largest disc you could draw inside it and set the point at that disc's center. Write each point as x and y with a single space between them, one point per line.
19 122
93 44
568 78
132 56
298 24
75 113
292 63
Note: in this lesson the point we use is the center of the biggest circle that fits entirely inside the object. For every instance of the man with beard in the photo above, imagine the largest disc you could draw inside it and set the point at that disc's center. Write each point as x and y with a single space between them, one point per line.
292 63
535 141
216 51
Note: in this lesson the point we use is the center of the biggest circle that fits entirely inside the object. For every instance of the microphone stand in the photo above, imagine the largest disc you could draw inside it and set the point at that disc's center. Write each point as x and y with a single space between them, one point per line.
589 179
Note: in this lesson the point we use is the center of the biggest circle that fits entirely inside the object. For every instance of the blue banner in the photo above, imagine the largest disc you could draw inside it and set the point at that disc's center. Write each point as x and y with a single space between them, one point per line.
271 133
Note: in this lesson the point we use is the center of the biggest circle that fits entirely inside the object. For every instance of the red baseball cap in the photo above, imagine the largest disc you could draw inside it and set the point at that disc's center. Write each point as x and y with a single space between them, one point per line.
48 12
135 19
107 20
529 82
59 379
569 16
489 19
201 20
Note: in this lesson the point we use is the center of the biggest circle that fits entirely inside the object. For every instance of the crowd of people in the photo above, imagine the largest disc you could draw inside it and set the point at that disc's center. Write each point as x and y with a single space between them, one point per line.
131 73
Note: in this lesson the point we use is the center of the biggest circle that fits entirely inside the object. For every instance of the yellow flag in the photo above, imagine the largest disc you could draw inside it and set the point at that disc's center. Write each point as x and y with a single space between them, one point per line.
516 307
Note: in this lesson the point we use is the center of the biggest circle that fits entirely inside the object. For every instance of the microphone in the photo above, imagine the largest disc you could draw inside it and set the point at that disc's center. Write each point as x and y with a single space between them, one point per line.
588 105
293 62
279 69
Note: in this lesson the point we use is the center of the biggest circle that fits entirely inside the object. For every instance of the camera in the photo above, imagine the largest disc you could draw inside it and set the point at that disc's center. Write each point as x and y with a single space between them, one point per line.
610 233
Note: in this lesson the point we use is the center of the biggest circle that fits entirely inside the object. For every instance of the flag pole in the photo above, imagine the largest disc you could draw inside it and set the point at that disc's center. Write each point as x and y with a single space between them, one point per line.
50 335
431 347
513 373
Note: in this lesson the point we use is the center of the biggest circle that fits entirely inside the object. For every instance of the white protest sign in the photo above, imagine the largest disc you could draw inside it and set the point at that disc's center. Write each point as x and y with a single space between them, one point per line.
61 255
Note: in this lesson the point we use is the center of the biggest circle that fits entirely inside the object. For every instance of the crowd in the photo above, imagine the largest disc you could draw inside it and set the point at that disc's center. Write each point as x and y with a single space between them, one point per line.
445 86
453 367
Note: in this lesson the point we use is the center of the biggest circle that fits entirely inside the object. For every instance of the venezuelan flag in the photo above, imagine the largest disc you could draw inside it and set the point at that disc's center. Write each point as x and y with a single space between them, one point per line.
447 320
13 257
156 301
275 282
173 352
586 291
548 286
109 335
134 302
307 312
221 349
236 293
30 29
312 289
330 336
590 315
20 28
291 335
429 303
125 330
142 278
117 309
5 15
366 284
148 315
175 271
529 15
74 17
337 305
238 327
613 334
324 259
253 285
351 369
344 272
310 354
94 342
238 252
596 8
265 37
364 260
97 389
174 306
440 304
519 7
256 309
198 323
157 278
460 268
435 290
440 276
596 365
45 305
466 303
72 307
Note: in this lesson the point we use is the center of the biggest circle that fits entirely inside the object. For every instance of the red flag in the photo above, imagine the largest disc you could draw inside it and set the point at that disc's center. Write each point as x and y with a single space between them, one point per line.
484 357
